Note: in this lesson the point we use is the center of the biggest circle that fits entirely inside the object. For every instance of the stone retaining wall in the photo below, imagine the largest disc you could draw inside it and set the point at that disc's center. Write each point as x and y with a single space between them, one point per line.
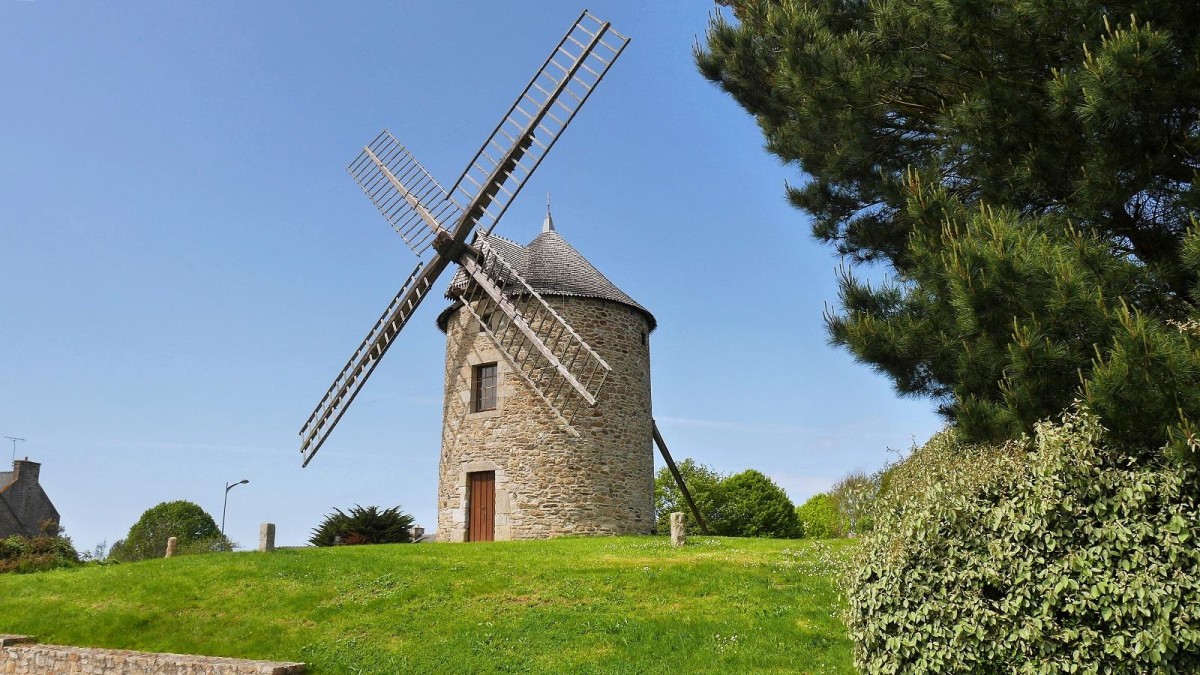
20 655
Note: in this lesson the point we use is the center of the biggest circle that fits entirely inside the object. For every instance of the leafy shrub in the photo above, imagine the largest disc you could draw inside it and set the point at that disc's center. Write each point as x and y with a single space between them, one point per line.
819 518
754 506
703 483
49 550
1060 557
363 526
194 530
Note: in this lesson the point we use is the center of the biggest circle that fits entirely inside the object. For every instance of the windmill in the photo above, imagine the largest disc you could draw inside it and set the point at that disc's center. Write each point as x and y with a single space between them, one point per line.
558 364
454 226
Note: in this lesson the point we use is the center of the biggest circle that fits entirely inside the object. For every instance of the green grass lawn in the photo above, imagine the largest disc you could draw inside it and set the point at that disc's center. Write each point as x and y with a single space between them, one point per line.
597 605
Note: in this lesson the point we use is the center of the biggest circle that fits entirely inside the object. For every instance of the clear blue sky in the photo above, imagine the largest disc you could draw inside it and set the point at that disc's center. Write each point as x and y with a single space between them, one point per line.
185 263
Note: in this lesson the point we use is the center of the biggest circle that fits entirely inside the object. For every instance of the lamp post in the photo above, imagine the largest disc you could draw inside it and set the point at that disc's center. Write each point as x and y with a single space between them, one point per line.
228 487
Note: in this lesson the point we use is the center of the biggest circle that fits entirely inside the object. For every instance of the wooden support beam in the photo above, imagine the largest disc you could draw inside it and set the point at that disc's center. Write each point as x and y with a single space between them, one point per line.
687 496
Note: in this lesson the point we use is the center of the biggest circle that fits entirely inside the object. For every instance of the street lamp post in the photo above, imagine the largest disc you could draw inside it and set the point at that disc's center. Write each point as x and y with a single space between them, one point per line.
228 487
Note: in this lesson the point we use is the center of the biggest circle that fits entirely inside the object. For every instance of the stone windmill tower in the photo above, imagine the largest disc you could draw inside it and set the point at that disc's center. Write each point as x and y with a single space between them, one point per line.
511 468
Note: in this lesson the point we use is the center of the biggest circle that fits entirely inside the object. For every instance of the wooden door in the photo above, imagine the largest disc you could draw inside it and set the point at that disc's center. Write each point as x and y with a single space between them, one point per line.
481 511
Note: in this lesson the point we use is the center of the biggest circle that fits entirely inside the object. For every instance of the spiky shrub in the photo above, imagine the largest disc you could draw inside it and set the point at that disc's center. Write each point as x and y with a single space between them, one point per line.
368 525
1055 555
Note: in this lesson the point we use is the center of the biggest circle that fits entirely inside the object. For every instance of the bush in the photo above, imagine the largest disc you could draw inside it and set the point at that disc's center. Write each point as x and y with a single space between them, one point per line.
194 530
819 518
754 506
364 526
703 483
1059 557
47 551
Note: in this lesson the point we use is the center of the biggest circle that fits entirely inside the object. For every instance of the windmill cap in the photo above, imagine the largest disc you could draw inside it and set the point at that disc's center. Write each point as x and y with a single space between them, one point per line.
550 266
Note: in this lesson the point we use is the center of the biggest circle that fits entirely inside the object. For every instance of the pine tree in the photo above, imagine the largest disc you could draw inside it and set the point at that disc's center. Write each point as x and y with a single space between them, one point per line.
1024 173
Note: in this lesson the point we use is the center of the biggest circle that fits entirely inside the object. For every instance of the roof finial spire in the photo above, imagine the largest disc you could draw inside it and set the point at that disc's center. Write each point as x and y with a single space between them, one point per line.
548 224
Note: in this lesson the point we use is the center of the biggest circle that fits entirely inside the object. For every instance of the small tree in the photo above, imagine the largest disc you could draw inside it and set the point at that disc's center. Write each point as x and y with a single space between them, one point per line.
703 483
819 517
852 498
754 506
194 529
367 525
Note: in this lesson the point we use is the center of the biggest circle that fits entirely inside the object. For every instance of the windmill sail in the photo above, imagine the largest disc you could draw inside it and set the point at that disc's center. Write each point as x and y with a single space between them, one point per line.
544 350
408 197
360 366
534 122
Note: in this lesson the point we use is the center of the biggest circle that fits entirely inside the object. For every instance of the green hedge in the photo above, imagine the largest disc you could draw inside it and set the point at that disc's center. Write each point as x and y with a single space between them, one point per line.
1060 557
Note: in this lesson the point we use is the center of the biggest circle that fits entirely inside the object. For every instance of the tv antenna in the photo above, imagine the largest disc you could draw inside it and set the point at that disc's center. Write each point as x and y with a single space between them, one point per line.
14 439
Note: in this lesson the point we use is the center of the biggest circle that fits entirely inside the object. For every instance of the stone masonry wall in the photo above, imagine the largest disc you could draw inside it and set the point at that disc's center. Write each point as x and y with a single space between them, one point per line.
9 525
549 483
20 656
25 499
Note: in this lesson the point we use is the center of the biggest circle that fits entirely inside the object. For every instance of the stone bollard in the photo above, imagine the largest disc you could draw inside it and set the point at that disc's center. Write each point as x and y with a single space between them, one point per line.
266 537
171 546
678 533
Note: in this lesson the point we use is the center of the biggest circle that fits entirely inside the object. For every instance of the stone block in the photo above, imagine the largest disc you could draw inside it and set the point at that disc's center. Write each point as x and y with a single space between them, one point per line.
266 537
7 640
678 531
171 544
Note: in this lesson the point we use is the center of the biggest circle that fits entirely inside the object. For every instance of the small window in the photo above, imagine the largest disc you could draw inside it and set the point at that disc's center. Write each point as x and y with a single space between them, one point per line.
488 320
483 395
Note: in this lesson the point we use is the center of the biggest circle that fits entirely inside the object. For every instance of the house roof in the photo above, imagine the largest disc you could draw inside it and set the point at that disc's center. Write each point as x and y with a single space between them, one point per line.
552 267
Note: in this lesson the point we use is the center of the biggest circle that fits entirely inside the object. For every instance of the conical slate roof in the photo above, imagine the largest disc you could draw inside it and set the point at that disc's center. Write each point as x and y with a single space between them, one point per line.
551 266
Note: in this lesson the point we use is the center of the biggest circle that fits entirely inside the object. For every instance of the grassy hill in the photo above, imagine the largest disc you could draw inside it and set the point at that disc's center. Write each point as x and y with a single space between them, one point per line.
612 605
